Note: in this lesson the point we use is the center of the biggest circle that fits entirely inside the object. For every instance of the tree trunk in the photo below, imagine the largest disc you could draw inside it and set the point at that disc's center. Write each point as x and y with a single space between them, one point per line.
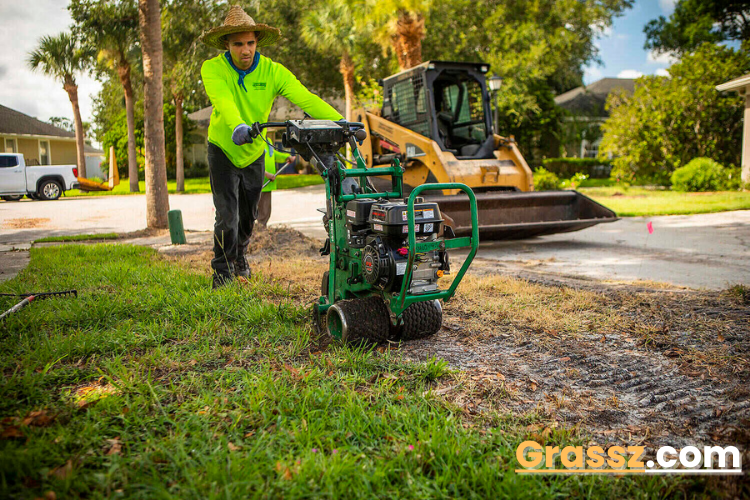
178 139
407 41
157 196
123 70
346 68
72 89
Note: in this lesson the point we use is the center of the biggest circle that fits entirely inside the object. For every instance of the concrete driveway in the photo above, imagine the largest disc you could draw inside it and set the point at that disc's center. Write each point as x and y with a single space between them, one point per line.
698 251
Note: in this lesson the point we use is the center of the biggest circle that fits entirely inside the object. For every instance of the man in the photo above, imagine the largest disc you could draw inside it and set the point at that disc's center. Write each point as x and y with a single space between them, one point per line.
273 156
242 85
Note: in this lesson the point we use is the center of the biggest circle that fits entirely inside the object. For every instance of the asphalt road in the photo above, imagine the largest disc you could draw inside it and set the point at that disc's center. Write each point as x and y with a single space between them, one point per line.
698 251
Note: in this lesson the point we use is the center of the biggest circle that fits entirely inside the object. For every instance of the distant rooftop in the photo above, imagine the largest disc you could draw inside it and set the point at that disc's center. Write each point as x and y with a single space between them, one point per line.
15 122
589 100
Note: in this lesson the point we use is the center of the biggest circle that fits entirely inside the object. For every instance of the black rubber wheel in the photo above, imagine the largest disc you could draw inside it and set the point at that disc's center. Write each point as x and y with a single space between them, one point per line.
357 321
421 319
324 285
15 197
49 190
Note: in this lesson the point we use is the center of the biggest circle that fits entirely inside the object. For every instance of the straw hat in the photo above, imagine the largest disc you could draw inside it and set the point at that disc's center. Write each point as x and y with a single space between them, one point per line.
237 21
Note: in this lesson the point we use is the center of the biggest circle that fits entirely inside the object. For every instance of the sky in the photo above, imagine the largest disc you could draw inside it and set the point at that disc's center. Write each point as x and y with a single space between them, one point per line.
621 46
24 22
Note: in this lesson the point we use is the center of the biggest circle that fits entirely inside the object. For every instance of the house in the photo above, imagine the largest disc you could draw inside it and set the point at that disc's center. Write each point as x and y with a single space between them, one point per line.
741 85
282 110
42 143
586 112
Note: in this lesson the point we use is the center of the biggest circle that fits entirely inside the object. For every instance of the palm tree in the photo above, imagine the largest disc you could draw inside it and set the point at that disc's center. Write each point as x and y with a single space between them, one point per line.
157 196
61 57
183 21
333 27
111 28
402 33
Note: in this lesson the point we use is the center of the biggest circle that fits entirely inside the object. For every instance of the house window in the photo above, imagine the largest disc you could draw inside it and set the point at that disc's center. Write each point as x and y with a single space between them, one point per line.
590 149
10 146
44 153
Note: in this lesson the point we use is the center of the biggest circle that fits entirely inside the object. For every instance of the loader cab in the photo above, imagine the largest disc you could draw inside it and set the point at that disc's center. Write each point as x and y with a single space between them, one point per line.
446 101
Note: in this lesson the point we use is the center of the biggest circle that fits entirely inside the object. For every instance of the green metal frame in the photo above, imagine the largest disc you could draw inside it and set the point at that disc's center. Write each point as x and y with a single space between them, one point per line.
344 261
403 299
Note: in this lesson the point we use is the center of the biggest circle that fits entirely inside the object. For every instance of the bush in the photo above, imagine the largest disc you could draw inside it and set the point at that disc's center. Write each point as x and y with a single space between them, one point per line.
701 174
544 180
197 169
594 168
574 181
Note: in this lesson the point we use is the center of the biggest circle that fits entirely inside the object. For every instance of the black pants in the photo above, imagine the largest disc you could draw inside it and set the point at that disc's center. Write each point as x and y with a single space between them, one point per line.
236 192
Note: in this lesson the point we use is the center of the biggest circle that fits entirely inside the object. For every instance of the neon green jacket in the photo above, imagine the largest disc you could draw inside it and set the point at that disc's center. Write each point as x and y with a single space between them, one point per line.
272 158
238 100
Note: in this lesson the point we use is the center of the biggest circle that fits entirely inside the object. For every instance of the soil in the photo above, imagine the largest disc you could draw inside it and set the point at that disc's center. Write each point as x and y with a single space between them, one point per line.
643 364
25 223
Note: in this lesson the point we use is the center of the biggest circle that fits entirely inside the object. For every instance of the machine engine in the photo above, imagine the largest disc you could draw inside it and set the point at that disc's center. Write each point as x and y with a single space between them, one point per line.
380 228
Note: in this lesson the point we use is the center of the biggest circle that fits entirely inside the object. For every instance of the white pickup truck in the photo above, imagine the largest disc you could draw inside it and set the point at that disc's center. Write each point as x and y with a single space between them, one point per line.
38 183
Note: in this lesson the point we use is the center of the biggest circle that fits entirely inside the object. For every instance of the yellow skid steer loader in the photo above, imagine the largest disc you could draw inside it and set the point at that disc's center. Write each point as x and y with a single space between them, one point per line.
436 118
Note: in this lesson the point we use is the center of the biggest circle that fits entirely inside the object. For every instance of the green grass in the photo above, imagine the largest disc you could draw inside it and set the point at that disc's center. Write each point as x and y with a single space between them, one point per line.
78 237
641 201
199 185
158 387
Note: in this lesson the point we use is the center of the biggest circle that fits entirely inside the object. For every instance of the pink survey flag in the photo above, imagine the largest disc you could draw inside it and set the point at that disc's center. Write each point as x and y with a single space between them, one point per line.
650 227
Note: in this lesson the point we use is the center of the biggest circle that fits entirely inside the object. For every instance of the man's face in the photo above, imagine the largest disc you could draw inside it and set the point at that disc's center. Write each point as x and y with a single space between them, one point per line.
242 48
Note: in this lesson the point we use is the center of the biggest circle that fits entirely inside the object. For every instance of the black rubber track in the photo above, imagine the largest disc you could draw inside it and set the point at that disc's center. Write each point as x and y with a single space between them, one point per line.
421 320
367 319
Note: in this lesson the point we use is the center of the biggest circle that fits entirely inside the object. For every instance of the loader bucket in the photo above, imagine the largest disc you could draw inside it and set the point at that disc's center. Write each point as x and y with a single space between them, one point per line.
521 215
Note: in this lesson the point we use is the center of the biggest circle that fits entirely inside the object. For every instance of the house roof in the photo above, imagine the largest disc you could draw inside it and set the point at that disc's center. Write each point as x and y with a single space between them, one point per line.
589 100
737 84
15 122
88 149
282 110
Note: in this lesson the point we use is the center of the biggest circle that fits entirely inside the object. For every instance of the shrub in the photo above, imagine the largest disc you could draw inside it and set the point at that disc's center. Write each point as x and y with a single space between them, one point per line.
197 169
574 181
567 167
544 180
701 174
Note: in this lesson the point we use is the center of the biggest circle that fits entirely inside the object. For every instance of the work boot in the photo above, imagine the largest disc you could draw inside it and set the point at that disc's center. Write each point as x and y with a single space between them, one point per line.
242 268
220 280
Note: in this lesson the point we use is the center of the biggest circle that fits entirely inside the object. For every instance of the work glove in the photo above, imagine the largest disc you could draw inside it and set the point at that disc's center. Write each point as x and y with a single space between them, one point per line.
242 135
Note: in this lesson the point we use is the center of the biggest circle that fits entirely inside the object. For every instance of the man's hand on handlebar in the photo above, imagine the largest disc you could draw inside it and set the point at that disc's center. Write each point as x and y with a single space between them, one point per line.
242 135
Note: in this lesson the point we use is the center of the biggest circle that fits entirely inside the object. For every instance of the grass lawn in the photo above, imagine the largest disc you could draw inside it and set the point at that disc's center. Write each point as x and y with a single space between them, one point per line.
200 185
78 237
151 385
642 201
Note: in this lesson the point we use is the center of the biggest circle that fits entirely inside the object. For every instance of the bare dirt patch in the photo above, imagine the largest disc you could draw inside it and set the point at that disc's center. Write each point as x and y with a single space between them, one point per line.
638 363
26 223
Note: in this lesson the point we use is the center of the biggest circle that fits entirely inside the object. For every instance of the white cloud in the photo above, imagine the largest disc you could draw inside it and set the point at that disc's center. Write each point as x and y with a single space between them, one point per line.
662 72
667 6
29 92
663 58
629 73
600 30
591 74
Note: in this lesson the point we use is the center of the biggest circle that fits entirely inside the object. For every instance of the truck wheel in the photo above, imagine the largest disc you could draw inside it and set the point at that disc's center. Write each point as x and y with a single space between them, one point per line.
15 197
421 319
359 321
50 190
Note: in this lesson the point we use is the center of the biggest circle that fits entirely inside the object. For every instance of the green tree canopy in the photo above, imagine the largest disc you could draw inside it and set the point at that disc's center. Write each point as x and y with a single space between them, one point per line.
695 22
538 47
668 121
